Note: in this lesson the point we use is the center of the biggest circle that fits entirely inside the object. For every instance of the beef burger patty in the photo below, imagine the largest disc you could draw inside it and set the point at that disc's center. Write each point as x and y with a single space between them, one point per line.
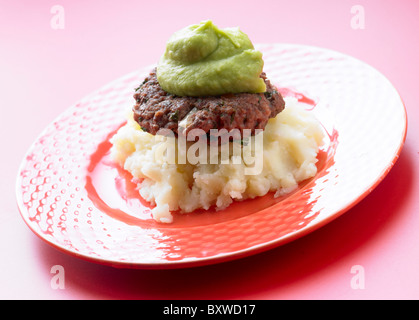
156 109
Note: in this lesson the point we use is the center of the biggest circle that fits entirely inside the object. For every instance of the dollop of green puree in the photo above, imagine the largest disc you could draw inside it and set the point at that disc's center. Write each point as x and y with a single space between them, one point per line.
203 60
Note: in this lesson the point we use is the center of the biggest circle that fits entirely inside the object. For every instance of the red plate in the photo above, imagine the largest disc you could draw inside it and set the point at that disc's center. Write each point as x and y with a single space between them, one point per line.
75 199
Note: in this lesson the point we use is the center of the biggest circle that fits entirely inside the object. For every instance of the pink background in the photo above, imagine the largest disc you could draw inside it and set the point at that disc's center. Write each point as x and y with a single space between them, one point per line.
44 71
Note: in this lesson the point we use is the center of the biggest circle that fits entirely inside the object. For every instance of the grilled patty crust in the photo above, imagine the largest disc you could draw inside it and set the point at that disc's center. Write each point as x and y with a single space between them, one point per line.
156 109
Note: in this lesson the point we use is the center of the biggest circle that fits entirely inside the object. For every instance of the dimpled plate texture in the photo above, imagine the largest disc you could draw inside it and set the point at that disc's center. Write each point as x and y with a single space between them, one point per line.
71 196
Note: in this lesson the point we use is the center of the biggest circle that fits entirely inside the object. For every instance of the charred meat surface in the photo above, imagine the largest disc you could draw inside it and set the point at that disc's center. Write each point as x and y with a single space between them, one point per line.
156 109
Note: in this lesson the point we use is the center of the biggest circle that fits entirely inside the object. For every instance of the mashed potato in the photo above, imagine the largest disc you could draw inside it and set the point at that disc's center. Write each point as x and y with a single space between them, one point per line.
290 143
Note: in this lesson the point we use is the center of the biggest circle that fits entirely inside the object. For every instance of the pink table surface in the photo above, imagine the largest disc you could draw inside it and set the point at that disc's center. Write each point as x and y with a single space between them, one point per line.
43 71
